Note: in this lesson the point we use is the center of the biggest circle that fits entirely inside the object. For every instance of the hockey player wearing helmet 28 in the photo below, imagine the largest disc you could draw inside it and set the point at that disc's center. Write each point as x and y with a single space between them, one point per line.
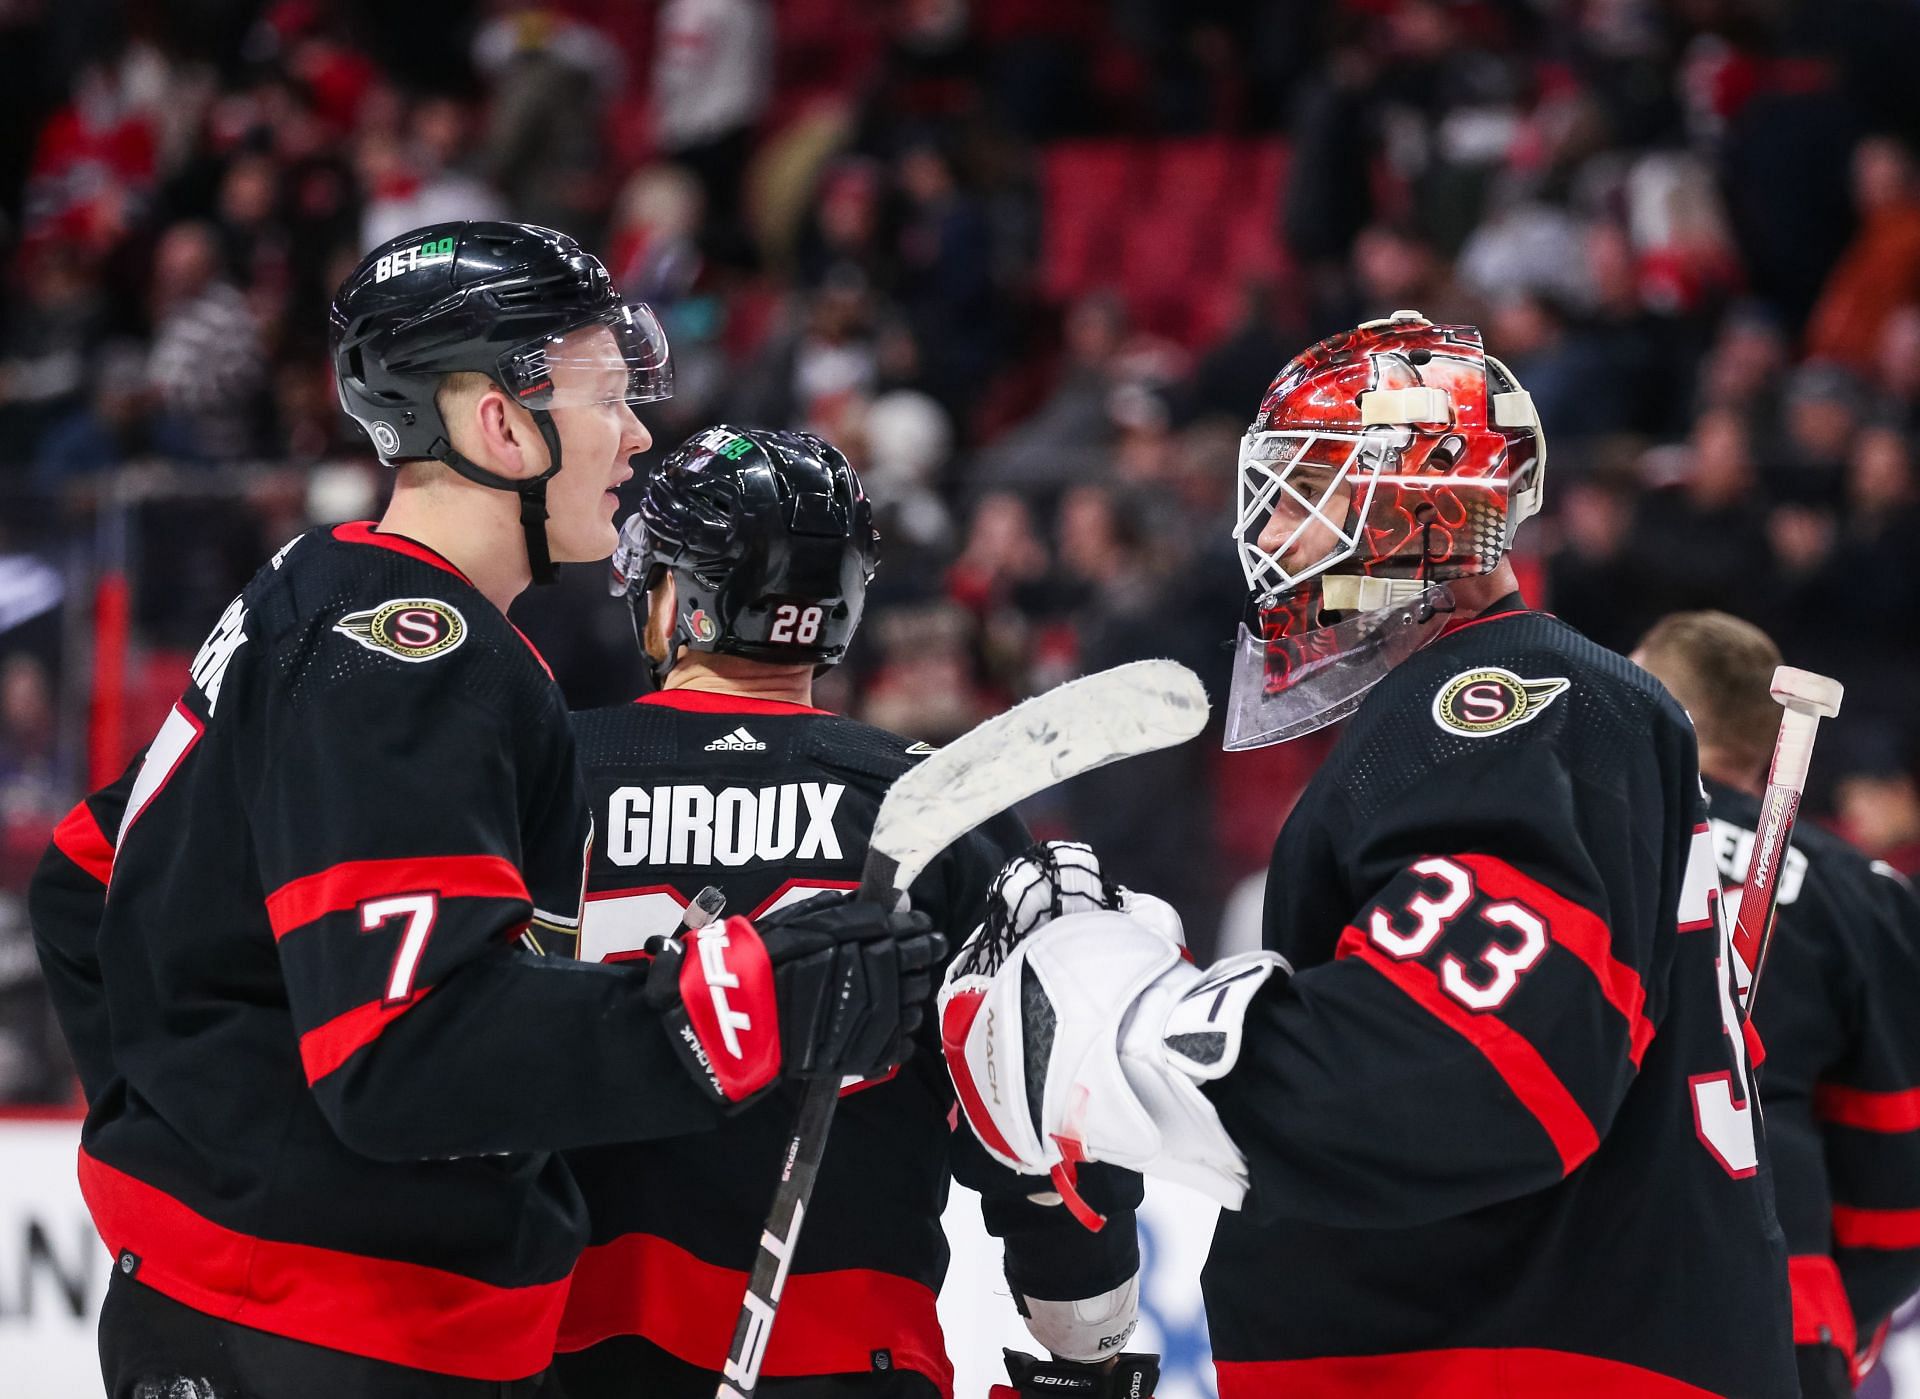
1481 1111
746 570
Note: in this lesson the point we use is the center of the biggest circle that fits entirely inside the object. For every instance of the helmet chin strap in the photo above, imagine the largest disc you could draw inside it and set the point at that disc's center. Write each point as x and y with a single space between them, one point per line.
532 493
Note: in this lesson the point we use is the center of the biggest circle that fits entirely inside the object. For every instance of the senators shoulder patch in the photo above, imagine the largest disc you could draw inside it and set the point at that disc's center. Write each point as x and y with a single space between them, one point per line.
410 628
1488 699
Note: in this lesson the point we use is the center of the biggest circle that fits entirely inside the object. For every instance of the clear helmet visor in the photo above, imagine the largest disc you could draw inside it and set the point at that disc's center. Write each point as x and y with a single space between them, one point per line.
620 357
1290 679
627 567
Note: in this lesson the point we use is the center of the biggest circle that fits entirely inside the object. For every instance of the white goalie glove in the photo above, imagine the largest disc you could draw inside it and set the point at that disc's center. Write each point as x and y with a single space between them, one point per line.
1088 1041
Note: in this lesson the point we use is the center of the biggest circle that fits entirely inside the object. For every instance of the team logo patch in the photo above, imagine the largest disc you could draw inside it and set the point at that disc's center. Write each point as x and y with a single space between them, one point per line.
701 625
1485 701
412 628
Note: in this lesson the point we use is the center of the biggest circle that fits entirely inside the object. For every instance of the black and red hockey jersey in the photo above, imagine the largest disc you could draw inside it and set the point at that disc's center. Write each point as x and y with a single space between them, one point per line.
1839 1013
323 1073
1497 1125
771 802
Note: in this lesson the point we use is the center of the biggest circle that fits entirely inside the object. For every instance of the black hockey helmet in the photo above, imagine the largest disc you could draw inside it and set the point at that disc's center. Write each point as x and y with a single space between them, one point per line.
499 299
770 540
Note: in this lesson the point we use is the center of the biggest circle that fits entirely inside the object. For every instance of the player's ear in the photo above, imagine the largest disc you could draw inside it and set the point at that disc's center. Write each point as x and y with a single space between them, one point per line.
663 601
509 442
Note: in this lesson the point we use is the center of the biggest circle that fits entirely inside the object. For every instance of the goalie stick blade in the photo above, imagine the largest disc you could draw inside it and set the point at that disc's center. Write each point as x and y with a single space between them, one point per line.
1139 707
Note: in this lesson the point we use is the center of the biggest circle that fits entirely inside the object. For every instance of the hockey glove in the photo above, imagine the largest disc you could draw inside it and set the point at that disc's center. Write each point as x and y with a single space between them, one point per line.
830 987
1129 1376
1090 1043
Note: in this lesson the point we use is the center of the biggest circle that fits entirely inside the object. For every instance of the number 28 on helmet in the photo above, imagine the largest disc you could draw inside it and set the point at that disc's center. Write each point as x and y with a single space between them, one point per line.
1385 463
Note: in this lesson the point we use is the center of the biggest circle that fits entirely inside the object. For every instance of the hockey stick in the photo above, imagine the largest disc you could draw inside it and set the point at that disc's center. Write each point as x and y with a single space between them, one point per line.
1073 728
1808 698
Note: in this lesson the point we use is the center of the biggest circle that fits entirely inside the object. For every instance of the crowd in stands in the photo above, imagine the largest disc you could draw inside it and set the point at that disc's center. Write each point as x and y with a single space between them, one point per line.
1030 263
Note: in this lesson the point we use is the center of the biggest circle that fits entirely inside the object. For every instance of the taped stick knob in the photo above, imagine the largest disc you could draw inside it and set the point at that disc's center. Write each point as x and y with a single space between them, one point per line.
1804 692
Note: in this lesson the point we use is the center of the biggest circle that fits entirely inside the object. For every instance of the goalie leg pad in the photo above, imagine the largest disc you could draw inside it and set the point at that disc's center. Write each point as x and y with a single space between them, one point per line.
1091 1042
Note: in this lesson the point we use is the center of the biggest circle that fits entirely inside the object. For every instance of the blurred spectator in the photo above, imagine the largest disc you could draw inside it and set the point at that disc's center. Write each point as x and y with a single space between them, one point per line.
50 329
109 430
713 66
552 77
418 181
1880 270
1704 537
1823 407
1745 365
1594 576
924 685
1067 439
1233 375
943 257
207 365
821 370
904 442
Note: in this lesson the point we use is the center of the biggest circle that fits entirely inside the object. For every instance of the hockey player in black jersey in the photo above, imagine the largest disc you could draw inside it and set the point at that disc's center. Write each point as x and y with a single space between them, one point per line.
746 569
1481 1111
1840 1082
324 1078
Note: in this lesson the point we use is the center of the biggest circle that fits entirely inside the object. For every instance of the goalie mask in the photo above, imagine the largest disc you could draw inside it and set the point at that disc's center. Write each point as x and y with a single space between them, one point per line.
1385 463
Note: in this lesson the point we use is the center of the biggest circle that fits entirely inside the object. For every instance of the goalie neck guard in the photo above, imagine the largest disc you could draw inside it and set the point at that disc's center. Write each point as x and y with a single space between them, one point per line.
523 305
770 541
1385 463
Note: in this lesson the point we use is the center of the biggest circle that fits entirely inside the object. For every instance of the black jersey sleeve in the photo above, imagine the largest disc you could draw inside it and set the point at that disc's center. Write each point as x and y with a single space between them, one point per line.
1803 1017
1488 1002
1867 1105
390 822
65 902
1048 1254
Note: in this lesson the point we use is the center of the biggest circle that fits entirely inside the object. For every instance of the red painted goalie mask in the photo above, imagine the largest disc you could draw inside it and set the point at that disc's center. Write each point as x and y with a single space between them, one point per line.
1385 463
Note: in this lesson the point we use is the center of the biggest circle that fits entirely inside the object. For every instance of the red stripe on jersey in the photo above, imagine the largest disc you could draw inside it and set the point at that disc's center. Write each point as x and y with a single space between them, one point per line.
326 1047
1533 1082
400 1313
1822 1316
715 702
80 839
1869 1111
299 902
1580 931
1450 1374
366 532
1889 1229
830 1323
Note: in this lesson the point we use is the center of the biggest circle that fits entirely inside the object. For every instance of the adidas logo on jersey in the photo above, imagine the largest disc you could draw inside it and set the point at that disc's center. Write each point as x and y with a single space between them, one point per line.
739 741
686 825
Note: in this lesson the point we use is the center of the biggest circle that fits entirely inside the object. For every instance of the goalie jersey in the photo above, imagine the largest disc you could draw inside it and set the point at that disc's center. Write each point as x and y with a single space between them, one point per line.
1840 1084
322 1069
1498 1125
770 803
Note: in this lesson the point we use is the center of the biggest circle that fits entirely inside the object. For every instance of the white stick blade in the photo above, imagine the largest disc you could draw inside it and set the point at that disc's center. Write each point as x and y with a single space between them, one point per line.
1806 692
1073 728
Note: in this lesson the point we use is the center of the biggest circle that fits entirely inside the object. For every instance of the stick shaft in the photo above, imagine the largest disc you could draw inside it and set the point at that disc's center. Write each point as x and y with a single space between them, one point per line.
1779 808
806 1146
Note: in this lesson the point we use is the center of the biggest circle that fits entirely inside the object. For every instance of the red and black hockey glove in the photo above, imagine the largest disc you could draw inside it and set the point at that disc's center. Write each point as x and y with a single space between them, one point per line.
1129 1375
830 987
